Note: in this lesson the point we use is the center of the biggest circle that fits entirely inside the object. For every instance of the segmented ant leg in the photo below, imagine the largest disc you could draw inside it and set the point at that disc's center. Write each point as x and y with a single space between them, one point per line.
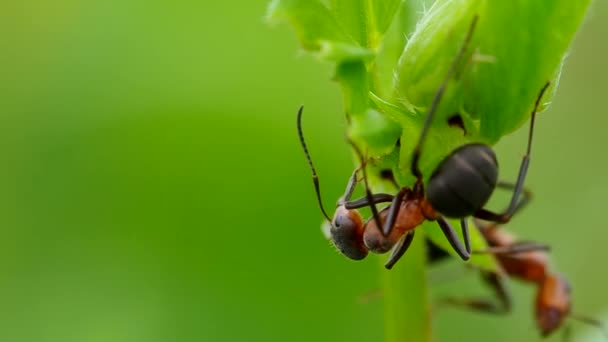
522 247
400 249
515 203
516 248
590 321
452 237
526 195
350 188
368 192
501 304
365 202
415 169
393 211
464 225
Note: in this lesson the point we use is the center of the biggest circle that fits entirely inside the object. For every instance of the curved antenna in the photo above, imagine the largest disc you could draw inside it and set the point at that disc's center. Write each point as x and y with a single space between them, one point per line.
437 98
315 177
368 193
590 321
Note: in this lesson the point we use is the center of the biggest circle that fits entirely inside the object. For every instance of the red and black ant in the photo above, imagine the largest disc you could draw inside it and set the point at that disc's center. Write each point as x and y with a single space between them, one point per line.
459 187
527 262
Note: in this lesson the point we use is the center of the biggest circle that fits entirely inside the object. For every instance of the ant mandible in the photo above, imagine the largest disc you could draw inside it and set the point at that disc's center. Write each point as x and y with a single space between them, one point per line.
459 187
528 262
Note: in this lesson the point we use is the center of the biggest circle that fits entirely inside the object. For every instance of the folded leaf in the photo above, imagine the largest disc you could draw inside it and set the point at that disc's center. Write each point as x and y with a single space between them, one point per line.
517 47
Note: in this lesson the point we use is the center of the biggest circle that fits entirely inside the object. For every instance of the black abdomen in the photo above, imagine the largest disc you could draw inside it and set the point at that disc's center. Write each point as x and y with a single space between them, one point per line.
464 181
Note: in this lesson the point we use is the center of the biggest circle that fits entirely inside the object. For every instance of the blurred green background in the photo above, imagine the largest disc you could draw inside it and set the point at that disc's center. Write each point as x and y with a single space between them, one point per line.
153 188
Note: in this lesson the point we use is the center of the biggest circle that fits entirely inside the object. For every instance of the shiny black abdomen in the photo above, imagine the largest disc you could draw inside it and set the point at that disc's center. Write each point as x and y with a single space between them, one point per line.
464 181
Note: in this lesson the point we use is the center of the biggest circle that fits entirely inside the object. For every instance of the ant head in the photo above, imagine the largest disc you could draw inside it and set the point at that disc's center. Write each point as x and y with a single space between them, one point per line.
552 303
346 230
347 233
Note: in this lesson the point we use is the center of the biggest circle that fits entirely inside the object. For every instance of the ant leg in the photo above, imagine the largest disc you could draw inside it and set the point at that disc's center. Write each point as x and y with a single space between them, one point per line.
350 188
464 225
415 169
522 247
591 321
515 203
526 195
400 249
394 207
452 237
393 211
368 193
500 305
516 248
364 202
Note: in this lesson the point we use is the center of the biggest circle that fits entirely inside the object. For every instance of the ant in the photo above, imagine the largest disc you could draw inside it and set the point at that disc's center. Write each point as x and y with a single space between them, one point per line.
527 262
459 187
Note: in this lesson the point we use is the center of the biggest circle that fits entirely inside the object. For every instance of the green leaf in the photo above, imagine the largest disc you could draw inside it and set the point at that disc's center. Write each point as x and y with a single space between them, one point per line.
392 46
317 29
368 126
517 47
352 17
378 132
365 20
384 12
353 78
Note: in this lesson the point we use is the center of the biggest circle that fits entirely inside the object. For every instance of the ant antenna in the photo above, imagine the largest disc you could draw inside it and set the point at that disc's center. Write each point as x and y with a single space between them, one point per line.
315 177
368 193
590 321
438 95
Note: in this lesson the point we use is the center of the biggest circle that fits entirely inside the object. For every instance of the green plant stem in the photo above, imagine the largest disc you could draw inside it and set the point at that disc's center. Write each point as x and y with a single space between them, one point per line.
406 305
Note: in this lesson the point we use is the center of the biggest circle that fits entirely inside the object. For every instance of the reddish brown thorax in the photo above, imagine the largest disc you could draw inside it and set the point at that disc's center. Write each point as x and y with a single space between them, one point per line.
410 216
552 303
428 210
